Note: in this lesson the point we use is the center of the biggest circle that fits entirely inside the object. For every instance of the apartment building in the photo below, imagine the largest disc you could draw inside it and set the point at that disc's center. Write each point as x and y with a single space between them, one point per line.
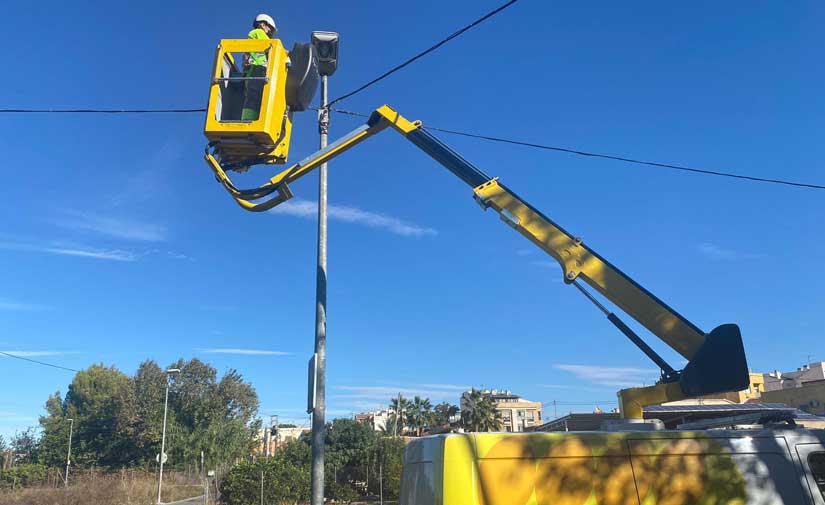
517 413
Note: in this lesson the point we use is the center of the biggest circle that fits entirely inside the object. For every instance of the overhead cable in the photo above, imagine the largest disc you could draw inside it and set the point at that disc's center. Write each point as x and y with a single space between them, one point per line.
426 51
100 111
471 135
10 355
607 156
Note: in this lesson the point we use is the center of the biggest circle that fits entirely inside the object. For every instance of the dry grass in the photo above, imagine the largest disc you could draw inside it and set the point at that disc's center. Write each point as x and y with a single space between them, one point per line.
124 488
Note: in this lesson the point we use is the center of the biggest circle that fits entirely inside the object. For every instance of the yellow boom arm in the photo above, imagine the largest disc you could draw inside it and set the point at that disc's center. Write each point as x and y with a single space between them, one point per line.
716 361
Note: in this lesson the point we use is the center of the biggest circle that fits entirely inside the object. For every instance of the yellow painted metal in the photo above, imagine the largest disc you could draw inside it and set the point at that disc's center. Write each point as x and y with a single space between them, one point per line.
633 400
266 139
281 181
578 261
595 468
396 120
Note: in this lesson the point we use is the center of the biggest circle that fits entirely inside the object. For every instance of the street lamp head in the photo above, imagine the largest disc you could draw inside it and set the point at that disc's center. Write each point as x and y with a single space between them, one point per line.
172 371
326 47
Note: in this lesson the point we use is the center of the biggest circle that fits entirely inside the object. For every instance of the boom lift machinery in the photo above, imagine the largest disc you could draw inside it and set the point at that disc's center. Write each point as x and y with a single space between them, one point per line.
716 360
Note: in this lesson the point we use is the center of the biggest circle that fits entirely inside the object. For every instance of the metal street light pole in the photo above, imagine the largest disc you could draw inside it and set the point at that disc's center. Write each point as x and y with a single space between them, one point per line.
319 412
69 452
326 47
163 435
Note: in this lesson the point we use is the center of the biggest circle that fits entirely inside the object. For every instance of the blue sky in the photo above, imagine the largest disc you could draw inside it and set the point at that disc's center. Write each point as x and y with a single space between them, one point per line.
117 245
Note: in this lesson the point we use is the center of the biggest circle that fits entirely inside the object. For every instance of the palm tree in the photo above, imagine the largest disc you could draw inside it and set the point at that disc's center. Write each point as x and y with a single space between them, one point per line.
399 406
390 427
419 413
480 413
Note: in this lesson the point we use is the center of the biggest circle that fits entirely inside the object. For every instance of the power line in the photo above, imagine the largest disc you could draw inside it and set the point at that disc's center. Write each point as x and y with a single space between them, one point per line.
99 111
426 51
10 355
629 160
469 135
607 156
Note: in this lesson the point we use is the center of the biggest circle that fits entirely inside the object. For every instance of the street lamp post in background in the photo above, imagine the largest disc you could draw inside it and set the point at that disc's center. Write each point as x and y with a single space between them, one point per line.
69 452
162 454
326 48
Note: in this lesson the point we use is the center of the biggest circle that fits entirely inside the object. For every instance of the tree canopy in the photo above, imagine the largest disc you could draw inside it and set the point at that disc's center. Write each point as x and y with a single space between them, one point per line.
118 419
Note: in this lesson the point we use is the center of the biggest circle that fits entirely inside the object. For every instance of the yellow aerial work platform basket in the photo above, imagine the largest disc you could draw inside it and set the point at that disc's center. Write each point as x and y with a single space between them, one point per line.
286 83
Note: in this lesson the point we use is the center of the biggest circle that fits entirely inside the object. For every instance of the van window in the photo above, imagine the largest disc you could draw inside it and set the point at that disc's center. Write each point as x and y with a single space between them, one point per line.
816 461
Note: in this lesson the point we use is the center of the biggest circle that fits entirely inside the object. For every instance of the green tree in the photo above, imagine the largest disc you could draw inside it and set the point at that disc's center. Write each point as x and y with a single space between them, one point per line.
386 462
150 391
25 446
118 419
348 445
218 418
54 441
399 407
480 413
443 412
419 414
285 479
3 448
101 401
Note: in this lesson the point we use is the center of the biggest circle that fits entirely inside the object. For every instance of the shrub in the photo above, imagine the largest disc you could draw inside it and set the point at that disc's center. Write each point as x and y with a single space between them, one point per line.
284 482
24 475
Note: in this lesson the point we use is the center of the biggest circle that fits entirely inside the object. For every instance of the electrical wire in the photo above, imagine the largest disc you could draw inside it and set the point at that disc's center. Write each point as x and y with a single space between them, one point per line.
607 156
99 111
477 136
425 52
628 160
10 355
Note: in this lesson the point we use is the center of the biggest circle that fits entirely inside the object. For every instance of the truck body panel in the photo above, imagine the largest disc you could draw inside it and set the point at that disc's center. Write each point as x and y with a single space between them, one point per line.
716 467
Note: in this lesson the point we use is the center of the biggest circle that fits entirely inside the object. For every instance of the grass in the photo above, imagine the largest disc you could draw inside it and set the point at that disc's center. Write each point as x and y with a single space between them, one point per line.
128 487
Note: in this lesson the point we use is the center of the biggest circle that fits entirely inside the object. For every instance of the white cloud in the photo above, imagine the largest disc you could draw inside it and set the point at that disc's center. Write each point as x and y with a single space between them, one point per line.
248 352
309 210
112 227
384 394
567 387
11 306
718 253
33 354
79 251
455 387
12 417
620 377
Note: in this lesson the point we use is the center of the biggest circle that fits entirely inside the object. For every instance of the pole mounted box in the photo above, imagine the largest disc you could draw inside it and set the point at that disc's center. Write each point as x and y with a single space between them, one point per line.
312 374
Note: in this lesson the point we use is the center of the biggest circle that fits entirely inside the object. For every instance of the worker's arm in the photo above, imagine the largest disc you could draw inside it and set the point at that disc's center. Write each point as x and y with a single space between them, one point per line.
715 362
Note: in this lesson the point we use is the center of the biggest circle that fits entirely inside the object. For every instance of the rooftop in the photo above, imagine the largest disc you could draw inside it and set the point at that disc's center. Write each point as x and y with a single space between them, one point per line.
674 415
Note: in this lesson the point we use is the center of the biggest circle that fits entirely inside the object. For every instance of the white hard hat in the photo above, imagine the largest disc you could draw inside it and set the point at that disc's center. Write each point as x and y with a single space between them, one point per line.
266 18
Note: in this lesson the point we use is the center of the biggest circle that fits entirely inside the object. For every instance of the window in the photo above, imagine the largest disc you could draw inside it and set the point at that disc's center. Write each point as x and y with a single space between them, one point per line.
817 463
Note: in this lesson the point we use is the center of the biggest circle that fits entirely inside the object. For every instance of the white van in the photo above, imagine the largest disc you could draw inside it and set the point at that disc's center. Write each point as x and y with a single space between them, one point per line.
715 467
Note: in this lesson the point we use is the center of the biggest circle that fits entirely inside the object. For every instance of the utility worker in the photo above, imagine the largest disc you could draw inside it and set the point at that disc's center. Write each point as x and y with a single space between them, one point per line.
254 65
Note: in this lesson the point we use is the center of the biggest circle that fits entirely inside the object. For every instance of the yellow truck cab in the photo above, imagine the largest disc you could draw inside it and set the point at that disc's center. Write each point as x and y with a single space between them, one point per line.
713 467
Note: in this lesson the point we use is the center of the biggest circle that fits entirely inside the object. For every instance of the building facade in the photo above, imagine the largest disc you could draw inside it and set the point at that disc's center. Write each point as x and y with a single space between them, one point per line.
269 439
517 414
378 419
803 389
